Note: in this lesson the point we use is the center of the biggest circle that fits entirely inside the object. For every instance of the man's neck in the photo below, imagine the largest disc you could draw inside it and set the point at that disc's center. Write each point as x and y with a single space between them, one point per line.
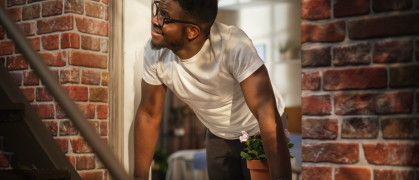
191 48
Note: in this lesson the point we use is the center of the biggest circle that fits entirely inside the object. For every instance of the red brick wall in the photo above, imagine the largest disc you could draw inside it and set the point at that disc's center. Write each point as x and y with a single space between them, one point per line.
72 37
360 82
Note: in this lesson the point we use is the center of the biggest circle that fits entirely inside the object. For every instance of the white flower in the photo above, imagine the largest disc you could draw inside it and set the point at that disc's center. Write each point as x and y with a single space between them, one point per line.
244 137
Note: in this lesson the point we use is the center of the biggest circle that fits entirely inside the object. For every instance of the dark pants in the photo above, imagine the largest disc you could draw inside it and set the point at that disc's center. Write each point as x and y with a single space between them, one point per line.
223 159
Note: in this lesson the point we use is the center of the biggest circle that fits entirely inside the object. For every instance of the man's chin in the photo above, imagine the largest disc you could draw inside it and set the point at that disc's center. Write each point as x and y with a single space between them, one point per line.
156 46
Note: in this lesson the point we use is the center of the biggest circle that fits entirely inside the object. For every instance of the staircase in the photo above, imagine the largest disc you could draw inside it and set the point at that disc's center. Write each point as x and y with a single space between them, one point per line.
28 138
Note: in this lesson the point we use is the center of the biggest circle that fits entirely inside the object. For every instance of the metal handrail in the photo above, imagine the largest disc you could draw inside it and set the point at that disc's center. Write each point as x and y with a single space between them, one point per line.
70 108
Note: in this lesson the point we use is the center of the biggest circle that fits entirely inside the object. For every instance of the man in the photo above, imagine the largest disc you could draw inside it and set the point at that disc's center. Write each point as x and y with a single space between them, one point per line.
215 69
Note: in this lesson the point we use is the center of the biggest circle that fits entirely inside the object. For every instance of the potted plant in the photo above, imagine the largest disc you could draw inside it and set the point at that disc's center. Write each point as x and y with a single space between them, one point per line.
255 155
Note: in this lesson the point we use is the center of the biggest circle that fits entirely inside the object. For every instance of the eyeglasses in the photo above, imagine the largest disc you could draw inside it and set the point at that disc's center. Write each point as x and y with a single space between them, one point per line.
162 17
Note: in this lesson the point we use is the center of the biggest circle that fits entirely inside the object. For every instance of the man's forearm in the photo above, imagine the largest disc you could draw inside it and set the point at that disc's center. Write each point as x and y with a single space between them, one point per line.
146 132
276 149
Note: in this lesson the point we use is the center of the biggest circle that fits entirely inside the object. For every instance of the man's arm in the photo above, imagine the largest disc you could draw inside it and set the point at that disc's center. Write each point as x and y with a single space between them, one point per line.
259 96
146 127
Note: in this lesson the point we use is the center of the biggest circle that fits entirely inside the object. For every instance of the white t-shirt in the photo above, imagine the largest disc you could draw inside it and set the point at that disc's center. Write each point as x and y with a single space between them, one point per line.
209 81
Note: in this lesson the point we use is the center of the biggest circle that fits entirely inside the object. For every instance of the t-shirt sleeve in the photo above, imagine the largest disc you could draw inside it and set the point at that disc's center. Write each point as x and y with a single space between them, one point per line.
150 65
244 59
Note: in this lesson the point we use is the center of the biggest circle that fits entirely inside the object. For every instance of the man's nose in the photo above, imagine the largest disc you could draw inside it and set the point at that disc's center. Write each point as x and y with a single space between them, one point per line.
154 21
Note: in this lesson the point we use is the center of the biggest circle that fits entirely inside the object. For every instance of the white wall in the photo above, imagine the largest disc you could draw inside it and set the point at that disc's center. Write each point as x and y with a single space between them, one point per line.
137 30
274 24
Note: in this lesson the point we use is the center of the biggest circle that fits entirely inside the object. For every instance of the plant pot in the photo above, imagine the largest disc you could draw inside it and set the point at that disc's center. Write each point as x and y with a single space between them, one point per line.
259 169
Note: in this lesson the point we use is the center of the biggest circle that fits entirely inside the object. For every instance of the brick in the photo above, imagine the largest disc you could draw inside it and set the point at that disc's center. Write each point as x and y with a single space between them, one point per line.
35 42
15 2
70 40
94 9
349 173
32 1
310 80
404 75
15 13
4 160
332 31
52 8
373 103
102 111
90 43
85 162
315 9
77 93
71 75
372 77
30 78
360 127
42 94
353 54
62 143
104 46
95 125
72 160
88 110
80 146
88 59
67 128
400 127
392 153
29 93
315 57
44 111
92 26
52 127
54 58
17 76
378 26
6 47
103 128
17 62
91 175
343 8
391 174
51 42
98 94
104 81
105 1
3 33
74 6
391 5
55 24
319 128
316 105
341 153
28 28
31 12
316 172
393 51
91 77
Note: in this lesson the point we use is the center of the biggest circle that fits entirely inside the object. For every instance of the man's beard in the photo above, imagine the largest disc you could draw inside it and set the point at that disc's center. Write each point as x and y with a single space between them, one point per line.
174 45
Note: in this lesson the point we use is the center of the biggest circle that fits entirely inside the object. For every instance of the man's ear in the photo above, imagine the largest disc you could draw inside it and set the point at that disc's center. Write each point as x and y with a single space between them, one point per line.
193 32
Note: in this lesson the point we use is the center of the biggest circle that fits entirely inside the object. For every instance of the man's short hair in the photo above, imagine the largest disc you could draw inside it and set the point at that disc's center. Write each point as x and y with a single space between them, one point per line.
203 11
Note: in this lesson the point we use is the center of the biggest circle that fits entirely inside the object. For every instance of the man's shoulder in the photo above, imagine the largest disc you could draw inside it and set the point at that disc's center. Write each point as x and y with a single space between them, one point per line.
229 36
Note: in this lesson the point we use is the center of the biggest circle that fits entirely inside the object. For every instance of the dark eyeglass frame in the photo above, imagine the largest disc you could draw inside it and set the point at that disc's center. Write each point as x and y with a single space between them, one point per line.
166 20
